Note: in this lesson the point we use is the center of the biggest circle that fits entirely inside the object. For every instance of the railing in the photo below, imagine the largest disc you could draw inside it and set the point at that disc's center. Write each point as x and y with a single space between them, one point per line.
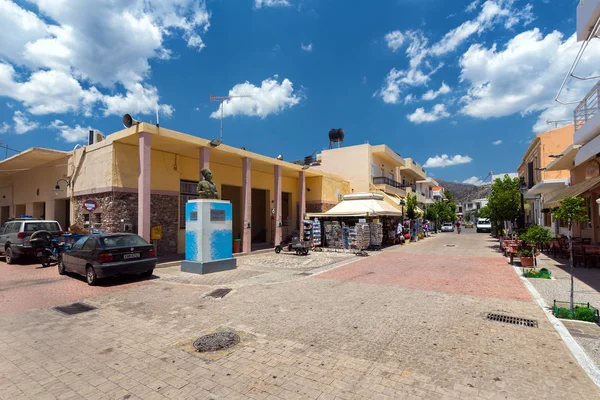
588 107
382 180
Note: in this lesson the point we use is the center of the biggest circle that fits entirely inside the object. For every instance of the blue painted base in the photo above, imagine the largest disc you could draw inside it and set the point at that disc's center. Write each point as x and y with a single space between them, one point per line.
208 267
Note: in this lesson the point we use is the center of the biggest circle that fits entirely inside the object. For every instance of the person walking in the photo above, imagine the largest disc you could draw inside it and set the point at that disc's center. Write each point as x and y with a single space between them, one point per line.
458 227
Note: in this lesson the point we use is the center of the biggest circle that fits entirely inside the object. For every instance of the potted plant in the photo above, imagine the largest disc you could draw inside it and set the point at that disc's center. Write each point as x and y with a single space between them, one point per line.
236 245
536 236
407 237
526 257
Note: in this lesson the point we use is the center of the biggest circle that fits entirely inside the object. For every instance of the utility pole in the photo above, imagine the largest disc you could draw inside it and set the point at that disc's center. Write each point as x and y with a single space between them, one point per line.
222 99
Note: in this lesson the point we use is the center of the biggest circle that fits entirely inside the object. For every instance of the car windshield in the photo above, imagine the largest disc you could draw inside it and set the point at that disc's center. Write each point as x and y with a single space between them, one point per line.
41 226
111 242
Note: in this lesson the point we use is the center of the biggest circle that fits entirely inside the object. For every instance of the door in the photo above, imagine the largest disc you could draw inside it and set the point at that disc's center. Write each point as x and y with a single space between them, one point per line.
72 257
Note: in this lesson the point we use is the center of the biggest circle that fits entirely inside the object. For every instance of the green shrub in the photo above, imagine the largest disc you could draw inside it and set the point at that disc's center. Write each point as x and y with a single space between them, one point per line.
579 313
542 273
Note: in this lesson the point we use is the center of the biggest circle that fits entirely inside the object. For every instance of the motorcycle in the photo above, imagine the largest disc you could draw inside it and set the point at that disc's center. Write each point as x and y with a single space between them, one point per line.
46 247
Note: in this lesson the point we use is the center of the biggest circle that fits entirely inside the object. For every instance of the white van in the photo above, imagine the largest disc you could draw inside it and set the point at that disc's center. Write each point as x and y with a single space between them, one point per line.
484 225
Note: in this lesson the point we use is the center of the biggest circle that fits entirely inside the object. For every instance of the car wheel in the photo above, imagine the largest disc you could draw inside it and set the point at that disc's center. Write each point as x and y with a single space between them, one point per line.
10 259
90 276
147 274
61 266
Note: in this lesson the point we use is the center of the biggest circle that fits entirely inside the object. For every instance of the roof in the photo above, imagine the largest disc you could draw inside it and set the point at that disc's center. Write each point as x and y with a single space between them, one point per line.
361 205
29 159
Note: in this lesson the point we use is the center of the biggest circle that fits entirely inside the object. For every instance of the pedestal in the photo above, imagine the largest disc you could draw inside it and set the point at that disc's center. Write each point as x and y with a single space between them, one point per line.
208 237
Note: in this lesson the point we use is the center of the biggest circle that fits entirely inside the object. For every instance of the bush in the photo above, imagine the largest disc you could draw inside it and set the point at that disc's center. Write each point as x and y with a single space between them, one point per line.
525 253
542 273
579 313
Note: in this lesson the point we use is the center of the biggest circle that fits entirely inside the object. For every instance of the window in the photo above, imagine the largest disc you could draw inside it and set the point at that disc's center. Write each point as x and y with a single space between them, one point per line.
547 219
530 177
188 190
79 244
373 170
42 226
588 205
391 176
111 242
90 245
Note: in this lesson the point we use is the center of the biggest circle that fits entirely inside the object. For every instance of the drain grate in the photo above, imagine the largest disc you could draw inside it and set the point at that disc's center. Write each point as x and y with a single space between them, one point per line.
305 273
219 293
450 245
507 319
75 308
216 341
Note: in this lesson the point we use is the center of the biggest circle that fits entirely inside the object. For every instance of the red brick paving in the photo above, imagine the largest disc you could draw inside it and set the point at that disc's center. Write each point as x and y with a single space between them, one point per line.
24 287
474 276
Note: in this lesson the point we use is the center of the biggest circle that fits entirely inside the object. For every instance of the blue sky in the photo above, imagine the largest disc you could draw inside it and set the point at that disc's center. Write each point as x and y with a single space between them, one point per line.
460 86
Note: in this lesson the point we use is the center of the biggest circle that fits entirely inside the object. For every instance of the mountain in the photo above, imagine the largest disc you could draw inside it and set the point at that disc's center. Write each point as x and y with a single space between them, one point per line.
463 191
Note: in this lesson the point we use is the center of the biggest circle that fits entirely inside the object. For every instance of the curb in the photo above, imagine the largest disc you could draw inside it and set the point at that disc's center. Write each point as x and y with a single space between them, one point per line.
583 359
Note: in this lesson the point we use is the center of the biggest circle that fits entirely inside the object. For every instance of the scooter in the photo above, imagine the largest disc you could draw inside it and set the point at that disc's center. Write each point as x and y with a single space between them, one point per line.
46 247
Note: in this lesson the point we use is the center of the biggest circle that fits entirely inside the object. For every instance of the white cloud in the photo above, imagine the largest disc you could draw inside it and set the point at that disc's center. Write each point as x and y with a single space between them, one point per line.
497 142
271 3
420 53
271 97
4 128
139 99
409 98
70 134
307 47
22 123
77 57
445 161
524 75
394 40
472 6
420 115
474 181
431 95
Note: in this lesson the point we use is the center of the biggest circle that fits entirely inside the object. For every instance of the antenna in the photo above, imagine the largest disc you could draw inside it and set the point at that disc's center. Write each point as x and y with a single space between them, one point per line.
157 122
222 99
556 122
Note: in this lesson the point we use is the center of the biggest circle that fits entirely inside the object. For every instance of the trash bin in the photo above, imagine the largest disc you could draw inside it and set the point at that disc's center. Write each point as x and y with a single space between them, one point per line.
236 245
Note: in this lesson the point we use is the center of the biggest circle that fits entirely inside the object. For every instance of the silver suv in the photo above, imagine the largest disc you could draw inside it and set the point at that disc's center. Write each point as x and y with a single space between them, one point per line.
14 236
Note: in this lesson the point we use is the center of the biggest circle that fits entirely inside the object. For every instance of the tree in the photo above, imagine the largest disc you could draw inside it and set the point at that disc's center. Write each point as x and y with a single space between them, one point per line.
468 217
571 209
449 195
536 236
505 201
411 206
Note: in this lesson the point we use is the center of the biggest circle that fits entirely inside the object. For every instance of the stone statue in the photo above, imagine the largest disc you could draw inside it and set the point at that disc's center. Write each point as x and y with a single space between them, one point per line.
206 188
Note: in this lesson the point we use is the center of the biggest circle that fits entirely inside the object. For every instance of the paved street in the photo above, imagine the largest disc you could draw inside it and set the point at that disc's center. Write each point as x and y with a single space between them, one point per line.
409 322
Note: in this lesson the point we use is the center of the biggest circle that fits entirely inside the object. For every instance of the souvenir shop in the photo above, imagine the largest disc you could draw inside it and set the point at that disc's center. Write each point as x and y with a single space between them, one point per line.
361 221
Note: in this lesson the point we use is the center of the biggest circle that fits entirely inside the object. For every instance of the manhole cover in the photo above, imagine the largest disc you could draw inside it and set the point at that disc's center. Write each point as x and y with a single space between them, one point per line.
75 308
218 293
507 319
305 273
216 341
450 245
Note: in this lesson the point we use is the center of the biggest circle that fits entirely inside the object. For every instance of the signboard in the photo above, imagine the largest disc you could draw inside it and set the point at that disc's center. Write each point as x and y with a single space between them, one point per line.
194 216
156 232
217 215
90 205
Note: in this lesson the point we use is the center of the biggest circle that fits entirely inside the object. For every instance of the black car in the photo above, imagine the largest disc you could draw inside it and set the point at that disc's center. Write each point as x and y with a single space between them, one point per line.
100 256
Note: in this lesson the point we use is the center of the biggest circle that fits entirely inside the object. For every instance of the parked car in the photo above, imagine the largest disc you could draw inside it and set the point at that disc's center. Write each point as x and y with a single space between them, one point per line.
484 225
14 236
448 227
100 256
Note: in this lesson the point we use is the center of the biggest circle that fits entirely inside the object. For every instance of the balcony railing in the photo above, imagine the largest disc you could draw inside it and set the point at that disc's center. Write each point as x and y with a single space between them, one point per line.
588 107
382 180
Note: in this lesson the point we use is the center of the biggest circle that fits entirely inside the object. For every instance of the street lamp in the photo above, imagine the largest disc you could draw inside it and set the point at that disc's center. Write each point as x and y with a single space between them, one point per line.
57 188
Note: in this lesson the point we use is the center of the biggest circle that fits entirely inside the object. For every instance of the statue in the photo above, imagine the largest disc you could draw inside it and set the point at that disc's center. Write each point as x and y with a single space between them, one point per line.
206 188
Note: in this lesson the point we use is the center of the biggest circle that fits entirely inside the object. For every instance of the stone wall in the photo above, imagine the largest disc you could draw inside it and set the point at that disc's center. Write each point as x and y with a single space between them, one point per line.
319 206
116 206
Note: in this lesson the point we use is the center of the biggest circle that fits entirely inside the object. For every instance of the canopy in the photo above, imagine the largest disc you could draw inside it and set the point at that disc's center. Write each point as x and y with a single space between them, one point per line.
356 205
570 191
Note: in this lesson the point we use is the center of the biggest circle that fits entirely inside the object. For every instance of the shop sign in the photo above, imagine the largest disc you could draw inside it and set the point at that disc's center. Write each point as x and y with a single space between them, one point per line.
156 232
362 220
90 205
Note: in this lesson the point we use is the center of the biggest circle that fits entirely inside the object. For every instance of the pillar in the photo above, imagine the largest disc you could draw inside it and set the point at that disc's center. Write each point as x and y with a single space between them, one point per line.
204 160
246 207
277 198
144 185
595 222
302 201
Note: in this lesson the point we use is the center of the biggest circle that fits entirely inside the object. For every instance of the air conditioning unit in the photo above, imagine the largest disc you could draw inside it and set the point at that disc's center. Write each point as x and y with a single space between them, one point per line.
95 136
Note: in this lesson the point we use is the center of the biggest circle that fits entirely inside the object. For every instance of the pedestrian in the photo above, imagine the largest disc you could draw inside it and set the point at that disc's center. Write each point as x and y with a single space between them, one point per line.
399 234
426 228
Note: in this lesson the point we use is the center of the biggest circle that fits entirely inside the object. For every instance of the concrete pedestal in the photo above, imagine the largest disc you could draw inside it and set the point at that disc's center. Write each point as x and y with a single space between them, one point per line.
208 237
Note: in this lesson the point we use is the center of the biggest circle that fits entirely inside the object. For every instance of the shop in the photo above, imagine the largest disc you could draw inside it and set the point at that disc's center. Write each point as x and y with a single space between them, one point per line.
360 221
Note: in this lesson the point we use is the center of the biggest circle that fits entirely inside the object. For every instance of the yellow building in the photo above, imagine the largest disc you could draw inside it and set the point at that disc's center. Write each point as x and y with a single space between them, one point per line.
143 176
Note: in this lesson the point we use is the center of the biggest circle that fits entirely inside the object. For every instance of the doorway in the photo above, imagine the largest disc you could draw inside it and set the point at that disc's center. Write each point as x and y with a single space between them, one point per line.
39 210
234 195
61 213
4 214
259 214
19 210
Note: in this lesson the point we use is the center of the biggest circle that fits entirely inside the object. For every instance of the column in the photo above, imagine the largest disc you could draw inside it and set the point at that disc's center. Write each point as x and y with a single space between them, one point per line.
204 160
594 221
246 207
144 185
302 201
277 198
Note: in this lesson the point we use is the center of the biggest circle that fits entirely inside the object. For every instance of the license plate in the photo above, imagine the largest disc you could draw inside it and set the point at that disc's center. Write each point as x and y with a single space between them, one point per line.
130 256
38 254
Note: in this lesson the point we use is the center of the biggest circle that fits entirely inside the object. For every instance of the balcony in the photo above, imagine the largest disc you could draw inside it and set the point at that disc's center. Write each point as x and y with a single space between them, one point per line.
586 117
389 185
413 170
588 12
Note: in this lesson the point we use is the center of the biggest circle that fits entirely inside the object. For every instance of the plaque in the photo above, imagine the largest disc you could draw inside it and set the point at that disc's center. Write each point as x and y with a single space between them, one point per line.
217 215
592 170
194 216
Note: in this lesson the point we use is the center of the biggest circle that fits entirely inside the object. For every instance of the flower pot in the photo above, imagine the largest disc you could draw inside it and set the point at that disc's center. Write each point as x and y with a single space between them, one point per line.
526 261
236 245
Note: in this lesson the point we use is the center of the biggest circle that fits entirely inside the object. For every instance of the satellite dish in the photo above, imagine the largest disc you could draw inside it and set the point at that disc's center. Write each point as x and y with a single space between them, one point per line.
128 121
280 157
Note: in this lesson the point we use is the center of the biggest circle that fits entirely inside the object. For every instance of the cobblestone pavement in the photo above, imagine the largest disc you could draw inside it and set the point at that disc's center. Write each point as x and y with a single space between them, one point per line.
325 337
586 290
